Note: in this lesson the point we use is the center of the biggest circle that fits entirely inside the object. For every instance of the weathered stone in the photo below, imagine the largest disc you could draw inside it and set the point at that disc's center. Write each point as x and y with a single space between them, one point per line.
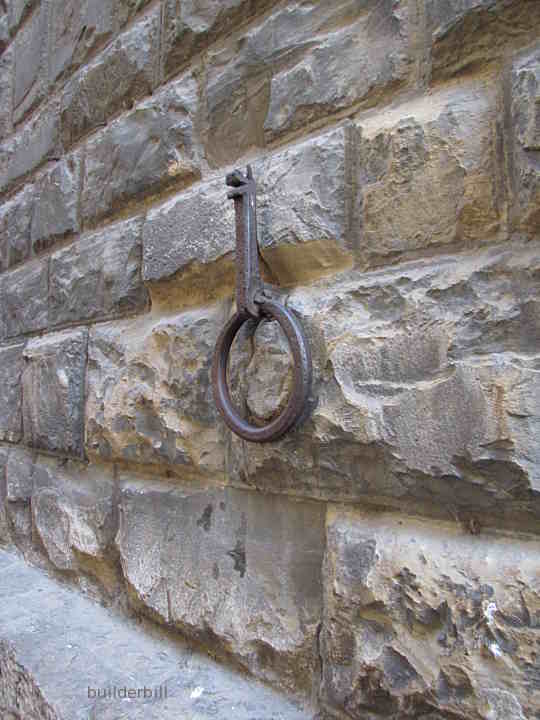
30 77
37 141
98 276
189 27
53 392
6 91
24 294
11 365
426 386
248 575
18 493
5 535
299 63
428 175
121 74
149 397
18 10
4 28
469 33
15 220
143 152
424 621
56 206
526 128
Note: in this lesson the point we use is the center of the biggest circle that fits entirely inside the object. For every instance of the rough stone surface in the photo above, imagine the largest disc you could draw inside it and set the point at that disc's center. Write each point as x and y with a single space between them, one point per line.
98 276
40 618
425 621
30 78
6 90
24 298
427 175
248 575
17 497
143 152
5 535
53 392
301 62
56 203
124 72
526 129
15 223
149 397
11 365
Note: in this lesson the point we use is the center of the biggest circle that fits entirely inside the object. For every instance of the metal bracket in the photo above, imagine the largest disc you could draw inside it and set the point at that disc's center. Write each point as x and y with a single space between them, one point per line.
255 300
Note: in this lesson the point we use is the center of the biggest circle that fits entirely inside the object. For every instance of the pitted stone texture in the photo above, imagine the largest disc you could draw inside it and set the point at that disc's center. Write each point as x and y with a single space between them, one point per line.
143 152
6 89
19 693
24 298
428 175
11 365
248 575
149 395
469 33
30 79
298 64
122 73
19 467
98 276
56 203
53 392
5 534
426 386
526 128
424 621
15 223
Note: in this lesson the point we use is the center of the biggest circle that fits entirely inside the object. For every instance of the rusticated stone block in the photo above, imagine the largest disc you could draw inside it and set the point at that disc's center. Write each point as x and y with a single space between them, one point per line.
6 90
142 152
526 128
56 212
415 612
11 366
248 575
15 221
30 79
98 276
299 63
426 386
32 145
472 32
53 392
301 195
428 175
149 396
124 72
24 294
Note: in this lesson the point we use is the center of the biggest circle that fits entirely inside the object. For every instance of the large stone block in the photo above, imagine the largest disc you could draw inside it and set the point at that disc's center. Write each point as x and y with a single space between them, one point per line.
11 366
53 392
428 174
99 276
15 222
425 621
464 34
426 388
24 294
302 217
149 396
248 575
525 125
143 152
121 74
30 79
299 63
56 206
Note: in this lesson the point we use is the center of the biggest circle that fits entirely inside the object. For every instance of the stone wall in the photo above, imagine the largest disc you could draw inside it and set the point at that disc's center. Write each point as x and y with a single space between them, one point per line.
383 558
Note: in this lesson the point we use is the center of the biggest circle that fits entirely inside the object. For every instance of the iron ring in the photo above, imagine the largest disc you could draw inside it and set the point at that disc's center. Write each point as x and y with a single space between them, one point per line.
302 377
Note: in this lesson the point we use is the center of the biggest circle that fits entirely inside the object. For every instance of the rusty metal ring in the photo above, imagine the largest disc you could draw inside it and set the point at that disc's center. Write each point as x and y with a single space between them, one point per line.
302 379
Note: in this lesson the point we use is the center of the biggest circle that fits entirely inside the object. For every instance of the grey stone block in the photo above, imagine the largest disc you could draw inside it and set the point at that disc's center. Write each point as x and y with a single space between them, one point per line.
15 222
248 576
56 205
98 276
24 293
53 392
6 91
30 79
142 152
121 74
11 366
